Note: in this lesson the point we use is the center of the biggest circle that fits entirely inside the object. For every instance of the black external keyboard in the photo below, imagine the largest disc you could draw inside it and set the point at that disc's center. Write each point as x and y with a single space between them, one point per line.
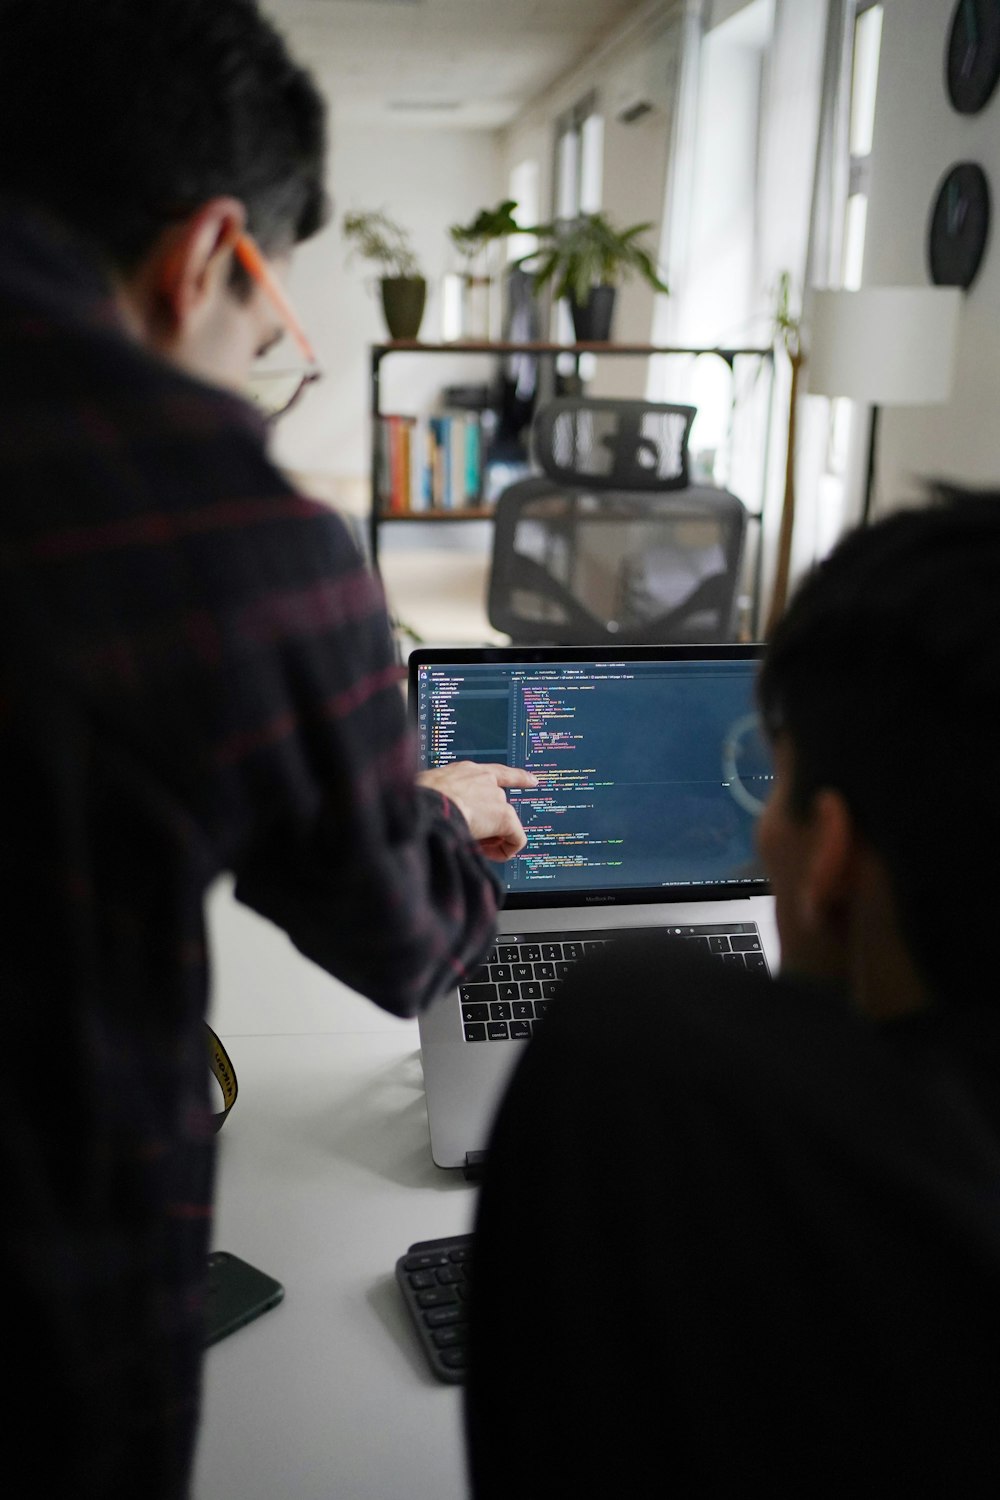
433 1276
503 998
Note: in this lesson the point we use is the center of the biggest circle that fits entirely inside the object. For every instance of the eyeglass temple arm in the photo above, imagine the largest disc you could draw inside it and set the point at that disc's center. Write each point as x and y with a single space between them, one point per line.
257 267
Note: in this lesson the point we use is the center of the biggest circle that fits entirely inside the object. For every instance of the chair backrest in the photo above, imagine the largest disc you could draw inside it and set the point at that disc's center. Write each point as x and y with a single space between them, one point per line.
580 559
612 444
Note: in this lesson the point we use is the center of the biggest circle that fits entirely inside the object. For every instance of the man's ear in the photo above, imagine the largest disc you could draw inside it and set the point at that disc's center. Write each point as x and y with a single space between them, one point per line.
182 271
829 870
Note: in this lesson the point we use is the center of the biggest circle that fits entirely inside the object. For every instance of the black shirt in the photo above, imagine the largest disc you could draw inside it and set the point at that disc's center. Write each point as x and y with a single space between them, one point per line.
767 1235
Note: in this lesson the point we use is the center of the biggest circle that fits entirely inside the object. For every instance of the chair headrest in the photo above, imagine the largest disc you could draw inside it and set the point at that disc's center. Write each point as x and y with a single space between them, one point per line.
608 444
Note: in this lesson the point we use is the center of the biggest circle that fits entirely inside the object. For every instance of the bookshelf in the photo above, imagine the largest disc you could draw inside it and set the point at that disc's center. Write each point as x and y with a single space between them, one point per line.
429 514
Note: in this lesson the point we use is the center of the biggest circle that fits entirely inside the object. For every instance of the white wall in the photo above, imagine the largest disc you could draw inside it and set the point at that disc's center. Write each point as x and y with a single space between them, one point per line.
427 179
917 137
642 61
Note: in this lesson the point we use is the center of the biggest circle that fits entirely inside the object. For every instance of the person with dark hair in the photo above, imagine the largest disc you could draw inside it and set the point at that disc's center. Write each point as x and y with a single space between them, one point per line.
196 676
739 1233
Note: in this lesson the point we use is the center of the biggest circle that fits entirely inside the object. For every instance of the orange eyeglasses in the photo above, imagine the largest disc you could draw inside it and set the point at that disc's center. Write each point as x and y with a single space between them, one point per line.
252 259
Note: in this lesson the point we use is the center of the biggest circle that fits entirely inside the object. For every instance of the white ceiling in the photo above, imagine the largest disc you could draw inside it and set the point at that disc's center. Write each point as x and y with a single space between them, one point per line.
471 63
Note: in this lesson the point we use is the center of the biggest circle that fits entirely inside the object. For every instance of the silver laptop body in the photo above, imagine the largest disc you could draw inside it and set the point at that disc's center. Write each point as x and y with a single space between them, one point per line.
652 771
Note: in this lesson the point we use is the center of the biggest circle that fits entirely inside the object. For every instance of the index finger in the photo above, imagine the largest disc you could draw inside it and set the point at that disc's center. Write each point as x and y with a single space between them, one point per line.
511 775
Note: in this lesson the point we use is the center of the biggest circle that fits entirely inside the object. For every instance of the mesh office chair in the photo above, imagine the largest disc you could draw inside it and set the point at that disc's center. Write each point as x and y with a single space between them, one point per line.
612 542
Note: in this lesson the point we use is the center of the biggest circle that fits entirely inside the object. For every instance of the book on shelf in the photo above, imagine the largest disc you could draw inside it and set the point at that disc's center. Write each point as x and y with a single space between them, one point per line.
429 462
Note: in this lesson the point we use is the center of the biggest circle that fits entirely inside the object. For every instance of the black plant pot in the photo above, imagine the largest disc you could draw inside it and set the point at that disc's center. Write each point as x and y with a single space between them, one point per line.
592 319
403 299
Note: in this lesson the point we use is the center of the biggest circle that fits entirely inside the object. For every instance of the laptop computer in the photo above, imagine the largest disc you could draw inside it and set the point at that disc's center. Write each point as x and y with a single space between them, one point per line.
651 771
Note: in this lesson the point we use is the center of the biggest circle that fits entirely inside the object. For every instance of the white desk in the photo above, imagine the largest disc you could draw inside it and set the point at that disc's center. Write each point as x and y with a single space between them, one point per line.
325 1176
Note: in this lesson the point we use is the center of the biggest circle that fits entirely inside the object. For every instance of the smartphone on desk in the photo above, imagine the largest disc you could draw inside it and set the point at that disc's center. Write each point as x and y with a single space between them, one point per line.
236 1293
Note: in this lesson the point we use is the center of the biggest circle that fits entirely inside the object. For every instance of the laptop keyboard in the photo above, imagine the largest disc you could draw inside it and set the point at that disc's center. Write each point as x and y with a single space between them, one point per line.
503 999
433 1276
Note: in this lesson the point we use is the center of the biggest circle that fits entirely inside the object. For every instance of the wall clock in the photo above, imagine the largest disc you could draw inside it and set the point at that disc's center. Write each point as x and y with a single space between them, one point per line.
959 225
972 59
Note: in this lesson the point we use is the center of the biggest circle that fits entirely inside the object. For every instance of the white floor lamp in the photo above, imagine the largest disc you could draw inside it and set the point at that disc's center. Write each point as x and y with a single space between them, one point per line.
885 346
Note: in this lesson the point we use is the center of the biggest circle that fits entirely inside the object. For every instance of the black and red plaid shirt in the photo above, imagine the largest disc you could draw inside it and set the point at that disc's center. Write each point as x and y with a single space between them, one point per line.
196 675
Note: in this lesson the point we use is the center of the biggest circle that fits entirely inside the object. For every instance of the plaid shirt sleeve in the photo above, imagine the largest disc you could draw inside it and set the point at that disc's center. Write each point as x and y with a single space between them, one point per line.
374 878
227 631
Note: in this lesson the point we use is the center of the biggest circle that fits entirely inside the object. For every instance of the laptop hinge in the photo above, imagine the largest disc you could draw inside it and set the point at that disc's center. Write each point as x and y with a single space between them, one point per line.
475 1161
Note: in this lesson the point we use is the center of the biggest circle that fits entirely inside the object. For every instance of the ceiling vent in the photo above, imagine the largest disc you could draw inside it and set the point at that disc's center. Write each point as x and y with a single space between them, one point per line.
425 106
633 110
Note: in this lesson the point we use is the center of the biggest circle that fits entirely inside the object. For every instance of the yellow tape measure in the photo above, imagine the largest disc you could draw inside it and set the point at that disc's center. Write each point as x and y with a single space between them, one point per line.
224 1072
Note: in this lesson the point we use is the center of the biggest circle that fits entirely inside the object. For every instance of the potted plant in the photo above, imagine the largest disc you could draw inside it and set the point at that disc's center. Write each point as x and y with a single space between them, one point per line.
586 258
474 241
376 237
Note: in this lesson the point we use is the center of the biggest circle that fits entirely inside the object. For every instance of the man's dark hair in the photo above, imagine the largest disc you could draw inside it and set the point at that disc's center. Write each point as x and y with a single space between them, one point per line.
119 116
885 675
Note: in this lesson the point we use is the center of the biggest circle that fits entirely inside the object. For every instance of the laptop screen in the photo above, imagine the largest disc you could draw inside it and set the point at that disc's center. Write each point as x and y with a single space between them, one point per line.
651 765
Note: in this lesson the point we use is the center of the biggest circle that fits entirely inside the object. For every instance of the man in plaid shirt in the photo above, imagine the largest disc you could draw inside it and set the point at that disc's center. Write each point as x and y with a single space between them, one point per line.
196 675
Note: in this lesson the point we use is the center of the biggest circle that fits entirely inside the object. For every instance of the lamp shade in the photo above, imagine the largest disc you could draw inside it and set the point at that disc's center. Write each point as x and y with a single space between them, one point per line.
890 346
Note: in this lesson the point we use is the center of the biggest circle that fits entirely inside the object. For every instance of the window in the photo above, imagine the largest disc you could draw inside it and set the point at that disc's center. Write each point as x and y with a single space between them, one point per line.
860 130
579 160
861 127
523 188
577 189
